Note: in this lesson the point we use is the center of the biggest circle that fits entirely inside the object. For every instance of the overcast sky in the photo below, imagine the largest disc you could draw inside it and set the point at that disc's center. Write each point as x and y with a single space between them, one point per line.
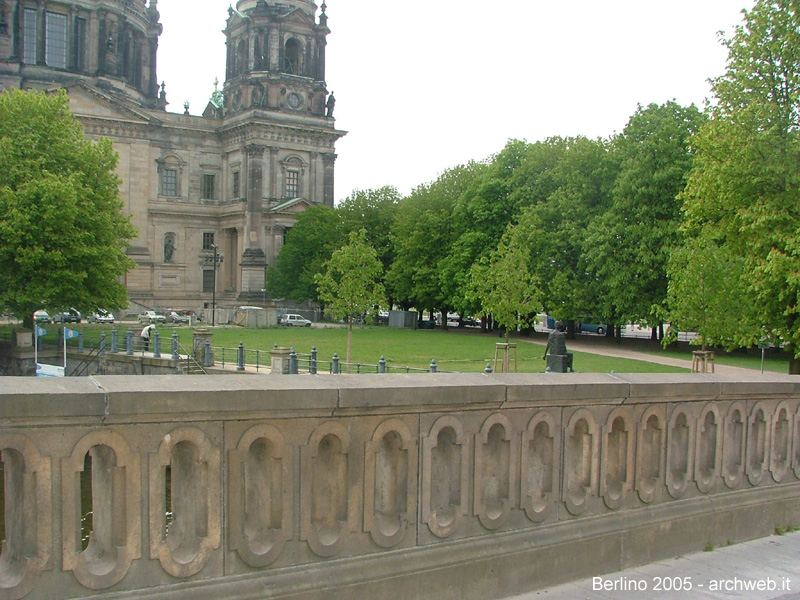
425 85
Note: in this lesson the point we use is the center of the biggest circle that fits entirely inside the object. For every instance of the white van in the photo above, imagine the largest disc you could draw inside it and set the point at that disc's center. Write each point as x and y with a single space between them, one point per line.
295 321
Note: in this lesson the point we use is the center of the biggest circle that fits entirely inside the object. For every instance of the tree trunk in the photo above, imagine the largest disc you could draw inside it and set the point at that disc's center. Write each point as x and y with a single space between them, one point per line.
794 361
349 342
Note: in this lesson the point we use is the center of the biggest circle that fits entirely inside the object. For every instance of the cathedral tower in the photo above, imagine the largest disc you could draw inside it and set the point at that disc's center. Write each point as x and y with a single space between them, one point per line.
112 43
228 184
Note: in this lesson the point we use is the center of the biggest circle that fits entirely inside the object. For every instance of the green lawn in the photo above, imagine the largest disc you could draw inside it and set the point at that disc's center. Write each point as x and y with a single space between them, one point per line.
453 350
773 362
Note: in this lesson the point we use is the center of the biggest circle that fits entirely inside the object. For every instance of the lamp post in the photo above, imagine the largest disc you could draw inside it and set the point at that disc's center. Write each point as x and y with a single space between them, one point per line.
215 259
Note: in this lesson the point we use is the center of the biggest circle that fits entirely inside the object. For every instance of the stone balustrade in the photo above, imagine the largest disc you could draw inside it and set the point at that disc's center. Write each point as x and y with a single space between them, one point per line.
401 486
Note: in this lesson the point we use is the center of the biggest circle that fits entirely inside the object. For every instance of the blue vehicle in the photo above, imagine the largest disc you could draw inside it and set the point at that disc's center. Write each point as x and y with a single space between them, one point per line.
587 326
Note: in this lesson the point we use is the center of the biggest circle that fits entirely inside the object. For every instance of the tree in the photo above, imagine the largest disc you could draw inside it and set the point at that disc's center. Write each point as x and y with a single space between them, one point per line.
504 285
351 282
745 185
61 224
569 181
309 245
701 298
629 247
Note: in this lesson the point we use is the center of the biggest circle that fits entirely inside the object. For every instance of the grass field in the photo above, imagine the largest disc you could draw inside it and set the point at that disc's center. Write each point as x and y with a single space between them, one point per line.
401 347
452 350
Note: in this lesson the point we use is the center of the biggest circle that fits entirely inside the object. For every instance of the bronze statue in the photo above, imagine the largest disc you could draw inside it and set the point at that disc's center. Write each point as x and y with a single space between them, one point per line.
329 105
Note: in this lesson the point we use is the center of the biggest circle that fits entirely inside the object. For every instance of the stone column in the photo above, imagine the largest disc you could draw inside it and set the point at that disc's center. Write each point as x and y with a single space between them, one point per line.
253 259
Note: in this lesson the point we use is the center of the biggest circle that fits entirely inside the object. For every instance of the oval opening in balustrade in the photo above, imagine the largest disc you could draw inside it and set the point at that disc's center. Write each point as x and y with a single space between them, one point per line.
329 490
446 477
580 460
391 484
263 510
102 512
13 554
679 451
707 455
494 478
540 467
617 458
186 490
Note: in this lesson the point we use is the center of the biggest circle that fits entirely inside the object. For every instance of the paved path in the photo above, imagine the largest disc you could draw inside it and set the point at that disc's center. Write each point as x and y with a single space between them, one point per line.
764 569
596 345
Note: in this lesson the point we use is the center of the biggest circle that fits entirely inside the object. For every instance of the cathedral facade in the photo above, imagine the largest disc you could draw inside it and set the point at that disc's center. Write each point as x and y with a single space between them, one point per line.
212 196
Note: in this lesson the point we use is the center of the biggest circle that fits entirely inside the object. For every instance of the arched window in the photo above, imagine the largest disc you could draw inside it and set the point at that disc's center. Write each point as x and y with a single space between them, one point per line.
241 58
292 54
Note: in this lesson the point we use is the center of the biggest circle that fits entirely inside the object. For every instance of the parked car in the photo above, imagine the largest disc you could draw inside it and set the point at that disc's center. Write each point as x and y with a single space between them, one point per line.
152 316
588 325
68 316
41 316
291 320
176 317
101 316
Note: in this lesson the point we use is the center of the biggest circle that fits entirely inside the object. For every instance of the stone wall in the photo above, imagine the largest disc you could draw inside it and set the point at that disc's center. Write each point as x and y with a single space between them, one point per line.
386 486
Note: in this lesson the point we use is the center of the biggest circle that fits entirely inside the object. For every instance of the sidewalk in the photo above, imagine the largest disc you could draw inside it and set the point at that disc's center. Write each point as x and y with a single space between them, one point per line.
597 346
763 569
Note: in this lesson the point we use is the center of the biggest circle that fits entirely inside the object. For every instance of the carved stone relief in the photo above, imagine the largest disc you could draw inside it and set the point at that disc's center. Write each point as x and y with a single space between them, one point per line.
260 480
389 479
650 455
541 443
445 485
733 445
496 468
680 452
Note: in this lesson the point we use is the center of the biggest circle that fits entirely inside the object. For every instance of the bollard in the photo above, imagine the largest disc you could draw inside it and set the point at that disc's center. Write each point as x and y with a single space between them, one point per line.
240 358
156 344
292 362
102 351
433 365
80 341
129 342
114 340
313 365
207 353
335 364
382 365
175 355
488 368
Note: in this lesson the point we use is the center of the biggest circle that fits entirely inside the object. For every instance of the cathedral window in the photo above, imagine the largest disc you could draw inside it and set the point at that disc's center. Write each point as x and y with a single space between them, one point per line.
235 190
80 44
169 182
209 185
55 50
208 240
208 281
292 184
241 58
29 36
291 57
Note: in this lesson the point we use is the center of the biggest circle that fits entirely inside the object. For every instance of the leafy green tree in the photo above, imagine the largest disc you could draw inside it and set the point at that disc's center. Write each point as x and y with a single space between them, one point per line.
570 180
424 232
373 210
628 248
350 284
309 245
505 287
61 224
746 185
701 298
